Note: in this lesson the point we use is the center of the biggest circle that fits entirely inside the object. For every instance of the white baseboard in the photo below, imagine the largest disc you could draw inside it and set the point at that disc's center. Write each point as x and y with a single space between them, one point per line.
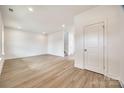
113 77
56 55
24 56
78 66
122 84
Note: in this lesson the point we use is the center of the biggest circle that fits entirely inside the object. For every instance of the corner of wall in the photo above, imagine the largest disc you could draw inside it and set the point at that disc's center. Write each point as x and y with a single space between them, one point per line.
1 64
122 84
113 76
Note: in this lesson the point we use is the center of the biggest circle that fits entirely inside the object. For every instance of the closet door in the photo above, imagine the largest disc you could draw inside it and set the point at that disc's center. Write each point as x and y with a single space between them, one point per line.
93 43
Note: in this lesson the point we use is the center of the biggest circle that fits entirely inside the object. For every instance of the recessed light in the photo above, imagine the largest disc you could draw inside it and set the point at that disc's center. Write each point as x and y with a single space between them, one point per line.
63 25
43 32
30 9
19 27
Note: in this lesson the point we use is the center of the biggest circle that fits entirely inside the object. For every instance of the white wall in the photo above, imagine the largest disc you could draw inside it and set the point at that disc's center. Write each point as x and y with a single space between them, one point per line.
59 42
23 44
110 15
56 43
71 40
1 45
122 47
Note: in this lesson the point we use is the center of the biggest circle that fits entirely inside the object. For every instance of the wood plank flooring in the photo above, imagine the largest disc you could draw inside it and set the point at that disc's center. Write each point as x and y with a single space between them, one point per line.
47 71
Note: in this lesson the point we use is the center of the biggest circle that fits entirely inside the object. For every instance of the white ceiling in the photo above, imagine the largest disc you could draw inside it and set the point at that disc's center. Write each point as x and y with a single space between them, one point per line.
43 19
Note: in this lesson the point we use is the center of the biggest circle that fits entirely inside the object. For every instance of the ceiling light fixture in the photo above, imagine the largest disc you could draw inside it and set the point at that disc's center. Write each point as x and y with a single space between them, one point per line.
30 9
19 27
44 33
63 25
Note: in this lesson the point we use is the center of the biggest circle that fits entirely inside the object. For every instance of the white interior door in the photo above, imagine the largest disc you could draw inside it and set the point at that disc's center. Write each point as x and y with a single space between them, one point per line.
93 47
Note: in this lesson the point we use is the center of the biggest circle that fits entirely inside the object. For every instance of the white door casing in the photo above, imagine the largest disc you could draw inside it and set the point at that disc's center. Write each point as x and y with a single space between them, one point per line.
94 47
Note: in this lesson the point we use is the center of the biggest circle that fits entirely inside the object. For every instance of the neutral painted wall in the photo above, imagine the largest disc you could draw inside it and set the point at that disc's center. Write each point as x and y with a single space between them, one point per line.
1 45
22 44
111 16
0 35
71 47
56 43
122 47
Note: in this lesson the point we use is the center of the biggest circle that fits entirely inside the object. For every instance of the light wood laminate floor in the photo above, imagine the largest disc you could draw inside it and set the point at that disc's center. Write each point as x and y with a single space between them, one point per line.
51 72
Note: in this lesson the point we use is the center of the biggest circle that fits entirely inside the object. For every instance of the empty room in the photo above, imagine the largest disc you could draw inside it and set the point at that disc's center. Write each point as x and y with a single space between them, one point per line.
61 46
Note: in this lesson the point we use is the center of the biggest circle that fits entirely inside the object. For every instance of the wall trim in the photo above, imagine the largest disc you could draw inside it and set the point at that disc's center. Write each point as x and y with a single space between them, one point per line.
113 76
56 54
25 56
78 66
33 56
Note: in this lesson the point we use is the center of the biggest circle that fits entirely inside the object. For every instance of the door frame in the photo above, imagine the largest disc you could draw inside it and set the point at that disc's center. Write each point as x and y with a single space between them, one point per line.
105 45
